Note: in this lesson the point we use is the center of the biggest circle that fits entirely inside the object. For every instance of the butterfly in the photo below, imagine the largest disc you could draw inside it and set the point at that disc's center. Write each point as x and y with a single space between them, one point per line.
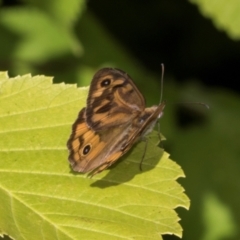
115 117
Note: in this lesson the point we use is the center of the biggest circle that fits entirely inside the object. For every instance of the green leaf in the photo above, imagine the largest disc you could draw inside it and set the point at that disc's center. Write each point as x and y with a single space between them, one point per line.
40 41
218 220
65 12
42 198
224 14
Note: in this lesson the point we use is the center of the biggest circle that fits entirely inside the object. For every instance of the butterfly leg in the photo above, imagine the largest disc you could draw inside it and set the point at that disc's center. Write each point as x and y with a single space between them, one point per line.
145 149
159 134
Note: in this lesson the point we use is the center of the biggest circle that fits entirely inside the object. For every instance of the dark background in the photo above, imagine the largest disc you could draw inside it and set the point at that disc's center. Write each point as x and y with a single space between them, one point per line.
176 34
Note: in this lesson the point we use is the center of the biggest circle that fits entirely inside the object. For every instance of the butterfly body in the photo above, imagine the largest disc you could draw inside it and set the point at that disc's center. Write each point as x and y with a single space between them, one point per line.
114 119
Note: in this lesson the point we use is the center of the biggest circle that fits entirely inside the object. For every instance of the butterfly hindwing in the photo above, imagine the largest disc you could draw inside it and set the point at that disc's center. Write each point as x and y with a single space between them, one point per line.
90 150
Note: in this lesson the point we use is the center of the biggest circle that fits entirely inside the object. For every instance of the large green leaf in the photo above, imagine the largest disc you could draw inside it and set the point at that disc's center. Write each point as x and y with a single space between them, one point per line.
64 12
224 14
41 198
40 41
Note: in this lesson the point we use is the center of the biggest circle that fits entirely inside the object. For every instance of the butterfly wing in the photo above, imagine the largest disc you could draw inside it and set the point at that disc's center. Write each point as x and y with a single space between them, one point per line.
90 150
114 119
113 100
144 124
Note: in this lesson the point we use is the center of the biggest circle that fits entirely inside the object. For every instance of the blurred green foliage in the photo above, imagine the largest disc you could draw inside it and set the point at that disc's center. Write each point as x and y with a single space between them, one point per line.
67 41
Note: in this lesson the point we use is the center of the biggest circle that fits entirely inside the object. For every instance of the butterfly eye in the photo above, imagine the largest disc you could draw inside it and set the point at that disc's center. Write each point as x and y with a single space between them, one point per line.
86 149
105 82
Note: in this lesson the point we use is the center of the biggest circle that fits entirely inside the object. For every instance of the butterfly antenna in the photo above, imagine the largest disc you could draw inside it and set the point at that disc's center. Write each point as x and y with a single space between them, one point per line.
161 96
198 103
162 75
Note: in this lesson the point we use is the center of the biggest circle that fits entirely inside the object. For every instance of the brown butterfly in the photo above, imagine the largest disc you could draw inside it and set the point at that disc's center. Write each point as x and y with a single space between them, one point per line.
114 118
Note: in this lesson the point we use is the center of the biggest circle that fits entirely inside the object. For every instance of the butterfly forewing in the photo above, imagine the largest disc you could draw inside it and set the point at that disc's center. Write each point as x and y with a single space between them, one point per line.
113 100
